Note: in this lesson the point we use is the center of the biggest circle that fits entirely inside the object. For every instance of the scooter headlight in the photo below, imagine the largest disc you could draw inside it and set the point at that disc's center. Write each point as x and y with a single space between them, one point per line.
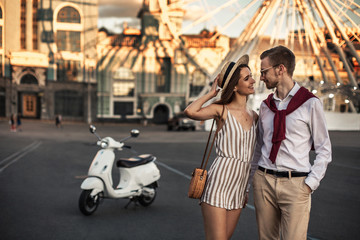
103 144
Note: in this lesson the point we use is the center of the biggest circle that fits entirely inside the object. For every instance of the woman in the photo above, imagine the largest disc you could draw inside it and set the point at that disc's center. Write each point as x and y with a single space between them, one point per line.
225 192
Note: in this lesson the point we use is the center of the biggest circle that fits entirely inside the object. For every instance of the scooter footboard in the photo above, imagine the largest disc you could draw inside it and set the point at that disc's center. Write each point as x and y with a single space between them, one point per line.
93 183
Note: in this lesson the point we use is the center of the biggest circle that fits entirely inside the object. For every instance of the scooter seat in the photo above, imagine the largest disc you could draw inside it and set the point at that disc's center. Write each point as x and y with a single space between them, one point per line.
134 161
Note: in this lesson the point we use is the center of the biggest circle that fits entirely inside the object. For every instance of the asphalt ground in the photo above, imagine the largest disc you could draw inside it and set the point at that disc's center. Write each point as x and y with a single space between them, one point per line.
42 167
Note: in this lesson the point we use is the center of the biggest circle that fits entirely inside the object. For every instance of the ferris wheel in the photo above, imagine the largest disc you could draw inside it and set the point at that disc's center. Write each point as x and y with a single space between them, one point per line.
304 20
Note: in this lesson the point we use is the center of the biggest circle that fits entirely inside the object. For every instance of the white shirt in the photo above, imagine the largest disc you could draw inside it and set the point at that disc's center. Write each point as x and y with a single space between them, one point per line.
304 126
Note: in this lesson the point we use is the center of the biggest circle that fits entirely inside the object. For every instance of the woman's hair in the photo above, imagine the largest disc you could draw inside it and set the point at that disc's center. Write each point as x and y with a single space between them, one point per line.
228 93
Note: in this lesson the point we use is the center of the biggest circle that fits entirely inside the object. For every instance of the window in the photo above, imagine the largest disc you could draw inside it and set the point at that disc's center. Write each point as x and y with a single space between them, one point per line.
23 24
68 70
123 108
123 84
68 38
164 76
197 83
68 15
35 25
68 103
68 41
28 79
1 31
123 89
1 65
1 28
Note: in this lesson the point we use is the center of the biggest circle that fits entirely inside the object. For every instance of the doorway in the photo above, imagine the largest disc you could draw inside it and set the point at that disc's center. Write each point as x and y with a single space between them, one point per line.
161 114
29 105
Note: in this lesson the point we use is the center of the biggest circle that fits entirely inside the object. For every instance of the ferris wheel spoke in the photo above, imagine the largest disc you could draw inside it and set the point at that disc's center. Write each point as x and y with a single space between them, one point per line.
357 6
232 20
209 15
346 16
316 39
344 36
347 7
278 25
354 35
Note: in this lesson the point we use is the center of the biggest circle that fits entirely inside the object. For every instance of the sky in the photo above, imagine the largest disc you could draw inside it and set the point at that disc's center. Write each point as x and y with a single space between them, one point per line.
113 13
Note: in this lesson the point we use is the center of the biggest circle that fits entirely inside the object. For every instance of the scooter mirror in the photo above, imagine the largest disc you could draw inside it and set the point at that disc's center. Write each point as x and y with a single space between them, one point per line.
92 129
135 133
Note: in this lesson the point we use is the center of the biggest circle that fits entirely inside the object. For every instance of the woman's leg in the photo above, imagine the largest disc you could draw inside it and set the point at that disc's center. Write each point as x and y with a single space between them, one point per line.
214 222
232 218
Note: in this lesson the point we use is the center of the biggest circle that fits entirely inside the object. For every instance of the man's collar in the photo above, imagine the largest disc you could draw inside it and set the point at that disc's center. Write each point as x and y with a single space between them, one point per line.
292 92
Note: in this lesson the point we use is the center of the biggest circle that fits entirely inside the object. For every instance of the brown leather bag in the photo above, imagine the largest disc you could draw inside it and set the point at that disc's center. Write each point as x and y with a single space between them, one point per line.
199 175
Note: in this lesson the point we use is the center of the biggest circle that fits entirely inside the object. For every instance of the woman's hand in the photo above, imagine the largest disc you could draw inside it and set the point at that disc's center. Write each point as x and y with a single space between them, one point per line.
246 199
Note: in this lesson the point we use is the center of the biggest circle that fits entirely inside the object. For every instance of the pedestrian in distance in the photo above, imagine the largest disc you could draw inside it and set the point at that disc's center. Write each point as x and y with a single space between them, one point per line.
12 123
58 120
291 121
18 122
226 188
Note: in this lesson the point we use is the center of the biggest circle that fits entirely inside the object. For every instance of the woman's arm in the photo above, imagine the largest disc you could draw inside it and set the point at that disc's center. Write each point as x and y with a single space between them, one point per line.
197 112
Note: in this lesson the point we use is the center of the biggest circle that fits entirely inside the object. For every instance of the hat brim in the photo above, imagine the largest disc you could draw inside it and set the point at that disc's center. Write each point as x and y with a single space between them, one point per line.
242 60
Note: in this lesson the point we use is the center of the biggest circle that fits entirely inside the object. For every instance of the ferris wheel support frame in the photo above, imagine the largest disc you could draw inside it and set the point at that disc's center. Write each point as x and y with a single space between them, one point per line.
311 36
320 44
335 40
234 18
342 31
166 20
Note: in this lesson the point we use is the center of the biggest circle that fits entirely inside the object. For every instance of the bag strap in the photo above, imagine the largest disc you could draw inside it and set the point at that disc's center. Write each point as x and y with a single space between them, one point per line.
212 144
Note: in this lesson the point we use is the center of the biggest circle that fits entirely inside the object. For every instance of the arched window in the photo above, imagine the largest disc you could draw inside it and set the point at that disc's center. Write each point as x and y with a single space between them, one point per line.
28 79
68 38
68 15
1 13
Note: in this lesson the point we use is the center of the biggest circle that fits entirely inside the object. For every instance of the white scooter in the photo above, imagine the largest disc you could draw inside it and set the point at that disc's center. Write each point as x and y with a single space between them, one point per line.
138 176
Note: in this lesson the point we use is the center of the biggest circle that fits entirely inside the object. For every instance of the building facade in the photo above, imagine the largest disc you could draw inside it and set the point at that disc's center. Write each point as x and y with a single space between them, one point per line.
48 58
147 73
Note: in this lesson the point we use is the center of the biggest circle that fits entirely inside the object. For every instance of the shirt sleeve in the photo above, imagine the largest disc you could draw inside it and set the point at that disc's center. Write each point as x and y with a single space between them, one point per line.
322 145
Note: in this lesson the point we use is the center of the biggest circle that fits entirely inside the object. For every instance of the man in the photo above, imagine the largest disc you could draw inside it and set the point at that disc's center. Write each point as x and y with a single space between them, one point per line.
291 121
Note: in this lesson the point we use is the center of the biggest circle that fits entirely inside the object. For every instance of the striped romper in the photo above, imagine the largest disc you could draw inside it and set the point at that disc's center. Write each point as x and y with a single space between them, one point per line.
229 173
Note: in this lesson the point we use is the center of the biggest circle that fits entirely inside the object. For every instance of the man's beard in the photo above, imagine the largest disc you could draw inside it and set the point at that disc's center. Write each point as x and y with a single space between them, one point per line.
271 85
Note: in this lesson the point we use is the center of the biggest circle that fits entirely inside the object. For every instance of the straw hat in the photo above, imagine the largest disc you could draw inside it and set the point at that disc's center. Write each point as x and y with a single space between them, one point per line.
228 70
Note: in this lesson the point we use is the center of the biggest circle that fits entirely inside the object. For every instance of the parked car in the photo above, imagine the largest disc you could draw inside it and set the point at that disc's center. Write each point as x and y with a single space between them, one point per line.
180 122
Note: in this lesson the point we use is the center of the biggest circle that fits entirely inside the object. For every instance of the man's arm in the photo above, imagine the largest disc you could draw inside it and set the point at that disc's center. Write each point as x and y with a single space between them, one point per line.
322 145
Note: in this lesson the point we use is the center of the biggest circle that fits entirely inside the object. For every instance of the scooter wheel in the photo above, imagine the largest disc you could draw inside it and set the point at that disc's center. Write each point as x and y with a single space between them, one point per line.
147 200
87 203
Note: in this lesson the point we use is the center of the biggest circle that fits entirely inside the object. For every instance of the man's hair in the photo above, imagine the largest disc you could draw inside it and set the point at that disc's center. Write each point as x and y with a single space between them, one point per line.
281 55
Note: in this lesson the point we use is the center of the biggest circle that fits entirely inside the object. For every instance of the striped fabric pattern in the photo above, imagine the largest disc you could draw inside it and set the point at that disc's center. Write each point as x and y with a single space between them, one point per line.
229 173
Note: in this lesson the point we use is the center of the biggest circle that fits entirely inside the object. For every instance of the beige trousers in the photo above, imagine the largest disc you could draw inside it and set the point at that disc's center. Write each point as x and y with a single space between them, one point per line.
282 207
